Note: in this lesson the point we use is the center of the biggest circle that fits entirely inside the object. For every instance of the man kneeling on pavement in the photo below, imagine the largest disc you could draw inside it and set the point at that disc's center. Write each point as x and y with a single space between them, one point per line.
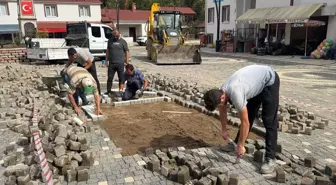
136 83
80 82
246 90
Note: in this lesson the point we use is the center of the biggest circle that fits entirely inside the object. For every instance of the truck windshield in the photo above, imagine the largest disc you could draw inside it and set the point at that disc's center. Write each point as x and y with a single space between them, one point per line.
169 20
76 29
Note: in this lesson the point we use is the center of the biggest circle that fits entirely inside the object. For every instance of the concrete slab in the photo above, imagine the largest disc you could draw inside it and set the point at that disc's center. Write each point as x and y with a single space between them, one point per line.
91 111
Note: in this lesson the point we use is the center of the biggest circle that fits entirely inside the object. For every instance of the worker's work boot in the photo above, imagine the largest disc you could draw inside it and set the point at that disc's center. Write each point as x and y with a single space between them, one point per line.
268 166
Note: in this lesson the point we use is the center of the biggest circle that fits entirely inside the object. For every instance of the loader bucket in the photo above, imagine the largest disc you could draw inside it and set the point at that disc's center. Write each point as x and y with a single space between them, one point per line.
178 54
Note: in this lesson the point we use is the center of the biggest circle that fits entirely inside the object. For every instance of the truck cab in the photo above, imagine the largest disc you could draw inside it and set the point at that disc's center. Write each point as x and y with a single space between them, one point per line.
87 35
93 37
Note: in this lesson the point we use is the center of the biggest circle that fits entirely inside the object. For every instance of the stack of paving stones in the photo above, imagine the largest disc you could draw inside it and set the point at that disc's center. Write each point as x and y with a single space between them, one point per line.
291 118
64 142
295 120
185 166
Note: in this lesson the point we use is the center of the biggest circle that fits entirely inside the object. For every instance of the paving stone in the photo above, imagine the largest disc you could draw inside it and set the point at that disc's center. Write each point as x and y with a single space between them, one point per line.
71 176
280 175
23 180
213 179
183 175
310 162
307 181
61 161
258 156
295 130
154 165
204 181
322 180
234 179
249 148
173 175
166 169
222 179
309 130
129 180
59 150
75 146
260 144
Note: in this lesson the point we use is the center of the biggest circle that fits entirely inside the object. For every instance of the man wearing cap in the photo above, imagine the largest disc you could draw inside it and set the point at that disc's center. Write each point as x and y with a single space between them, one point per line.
81 81
135 83
84 59
246 90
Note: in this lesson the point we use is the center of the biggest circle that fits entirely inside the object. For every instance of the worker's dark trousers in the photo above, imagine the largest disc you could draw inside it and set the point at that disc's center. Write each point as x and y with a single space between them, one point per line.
269 99
131 88
92 70
112 69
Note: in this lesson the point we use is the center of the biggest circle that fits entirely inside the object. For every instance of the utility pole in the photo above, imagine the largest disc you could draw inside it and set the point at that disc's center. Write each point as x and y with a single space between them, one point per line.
118 7
218 23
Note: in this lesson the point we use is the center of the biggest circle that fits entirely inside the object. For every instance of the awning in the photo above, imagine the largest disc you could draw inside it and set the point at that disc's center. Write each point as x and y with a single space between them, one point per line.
51 27
254 16
9 28
289 14
293 14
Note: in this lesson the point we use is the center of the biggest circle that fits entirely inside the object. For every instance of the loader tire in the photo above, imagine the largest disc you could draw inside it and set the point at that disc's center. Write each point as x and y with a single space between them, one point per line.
154 55
149 45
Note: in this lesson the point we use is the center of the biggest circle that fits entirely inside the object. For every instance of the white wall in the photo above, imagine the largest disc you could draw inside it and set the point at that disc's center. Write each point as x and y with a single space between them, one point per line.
140 29
331 33
12 18
211 28
272 3
68 12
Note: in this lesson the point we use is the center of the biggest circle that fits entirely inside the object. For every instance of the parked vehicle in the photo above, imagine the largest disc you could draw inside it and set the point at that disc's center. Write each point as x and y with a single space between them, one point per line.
142 40
93 37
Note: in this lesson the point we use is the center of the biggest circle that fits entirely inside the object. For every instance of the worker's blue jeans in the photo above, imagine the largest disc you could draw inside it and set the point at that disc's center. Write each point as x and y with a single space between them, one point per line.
131 88
79 92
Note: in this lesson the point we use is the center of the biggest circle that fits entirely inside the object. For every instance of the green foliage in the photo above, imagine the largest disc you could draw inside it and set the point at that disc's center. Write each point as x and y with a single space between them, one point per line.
197 5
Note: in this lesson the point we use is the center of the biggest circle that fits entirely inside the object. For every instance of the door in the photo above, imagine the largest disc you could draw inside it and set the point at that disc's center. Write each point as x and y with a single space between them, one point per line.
132 33
108 33
96 39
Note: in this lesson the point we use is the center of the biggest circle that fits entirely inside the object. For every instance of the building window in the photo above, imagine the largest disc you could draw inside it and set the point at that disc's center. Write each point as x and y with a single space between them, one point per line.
84 11
211 15
4 9
225 13
210 38
50 10
96 31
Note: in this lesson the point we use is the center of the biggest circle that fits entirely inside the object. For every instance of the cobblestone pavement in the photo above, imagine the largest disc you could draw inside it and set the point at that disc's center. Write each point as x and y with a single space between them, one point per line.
304 84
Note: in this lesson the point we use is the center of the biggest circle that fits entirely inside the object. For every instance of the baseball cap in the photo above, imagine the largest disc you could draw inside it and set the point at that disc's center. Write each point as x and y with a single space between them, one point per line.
88 85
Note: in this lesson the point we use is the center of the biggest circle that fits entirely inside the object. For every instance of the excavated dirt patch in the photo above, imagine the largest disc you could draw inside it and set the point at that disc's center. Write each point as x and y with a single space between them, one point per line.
137 127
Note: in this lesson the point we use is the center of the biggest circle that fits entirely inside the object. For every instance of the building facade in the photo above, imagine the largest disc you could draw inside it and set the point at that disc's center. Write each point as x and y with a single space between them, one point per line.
229 11
45 16
8 19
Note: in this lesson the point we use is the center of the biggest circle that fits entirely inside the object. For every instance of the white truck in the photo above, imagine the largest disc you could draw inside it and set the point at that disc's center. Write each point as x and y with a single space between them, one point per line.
93 37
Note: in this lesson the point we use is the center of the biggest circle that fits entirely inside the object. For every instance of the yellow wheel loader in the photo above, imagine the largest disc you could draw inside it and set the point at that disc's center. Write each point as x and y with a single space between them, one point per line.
165 42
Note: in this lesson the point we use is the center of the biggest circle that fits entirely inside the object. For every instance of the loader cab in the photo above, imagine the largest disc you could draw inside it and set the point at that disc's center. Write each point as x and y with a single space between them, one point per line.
168 22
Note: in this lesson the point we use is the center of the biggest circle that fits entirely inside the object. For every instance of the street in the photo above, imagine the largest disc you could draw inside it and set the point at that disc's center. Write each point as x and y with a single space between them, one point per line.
309 87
